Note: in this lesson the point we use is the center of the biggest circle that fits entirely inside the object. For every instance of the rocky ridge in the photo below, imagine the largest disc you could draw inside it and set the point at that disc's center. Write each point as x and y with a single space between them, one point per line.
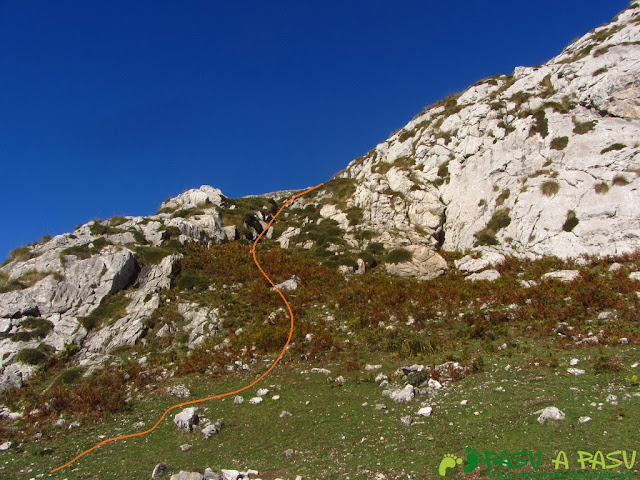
540 162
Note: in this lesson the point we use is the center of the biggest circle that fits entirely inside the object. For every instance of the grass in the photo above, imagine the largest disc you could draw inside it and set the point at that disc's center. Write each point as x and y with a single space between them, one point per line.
398 255
559 143
550 188
571 222
32 328
620 180
540 124
580 128
499 220
111 308
612 147
87 250
601 188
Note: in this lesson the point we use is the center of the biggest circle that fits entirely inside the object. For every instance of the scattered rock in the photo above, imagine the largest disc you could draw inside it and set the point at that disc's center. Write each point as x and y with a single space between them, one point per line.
402 395
575 371
380 406
562 275
185 447
186 476
289 453
238 400
324 371
473 264
210 475
5 446
289 285
369 368
179 391
549 413
623 341
262 392
284 413
574 362
425 411
212 429
635 276
406 420
487 275
612 399
255 401
186 419
159 470
73 425
584 419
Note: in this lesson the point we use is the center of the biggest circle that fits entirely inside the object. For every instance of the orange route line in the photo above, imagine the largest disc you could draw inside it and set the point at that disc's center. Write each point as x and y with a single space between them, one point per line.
191 402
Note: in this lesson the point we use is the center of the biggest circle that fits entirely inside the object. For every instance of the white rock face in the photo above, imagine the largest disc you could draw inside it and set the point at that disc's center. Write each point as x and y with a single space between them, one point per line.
441 179
197 197
424 265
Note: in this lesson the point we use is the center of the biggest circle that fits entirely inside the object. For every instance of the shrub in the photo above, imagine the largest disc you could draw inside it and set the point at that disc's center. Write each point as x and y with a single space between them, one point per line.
502 197
559 143
398 255
191 279
540 124
612 147
499 220
112 307
443 170
35 328
550 188
571 221
70 376
375 248
620 180
580 128
601 188
31 356
354 215
369 260
599 71
152 255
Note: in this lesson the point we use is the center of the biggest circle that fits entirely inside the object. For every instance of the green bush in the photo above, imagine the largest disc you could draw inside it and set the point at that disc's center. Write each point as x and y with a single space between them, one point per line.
620 180
601 188
559 143
110 308
31 356
540 124
571 221
398 255
549 188
502 197
612 147
581 128
152 255
34 328
70 376
499 220
191 279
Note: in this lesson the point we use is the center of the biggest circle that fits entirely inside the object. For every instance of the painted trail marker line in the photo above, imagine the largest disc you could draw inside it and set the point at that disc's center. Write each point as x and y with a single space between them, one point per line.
200 400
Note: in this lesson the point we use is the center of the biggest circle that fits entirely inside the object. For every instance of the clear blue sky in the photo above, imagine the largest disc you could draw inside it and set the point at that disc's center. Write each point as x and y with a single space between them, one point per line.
108 108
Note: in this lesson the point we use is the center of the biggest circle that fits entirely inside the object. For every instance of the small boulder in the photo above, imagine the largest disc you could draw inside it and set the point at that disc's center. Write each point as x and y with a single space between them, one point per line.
186 419
562 275
186 476
255 401
486 275
425 411
550 413
159 470
179 391
406 420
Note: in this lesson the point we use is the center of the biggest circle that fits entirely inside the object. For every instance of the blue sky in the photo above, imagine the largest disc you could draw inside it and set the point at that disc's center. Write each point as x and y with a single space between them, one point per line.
108 108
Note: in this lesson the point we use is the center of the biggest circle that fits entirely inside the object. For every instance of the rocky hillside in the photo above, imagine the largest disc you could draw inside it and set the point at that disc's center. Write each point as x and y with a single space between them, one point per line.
543 162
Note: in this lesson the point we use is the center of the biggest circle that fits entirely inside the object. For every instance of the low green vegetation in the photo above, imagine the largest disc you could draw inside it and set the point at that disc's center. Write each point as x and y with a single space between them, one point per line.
398 255
601 188
559 143
571 222
111 308
540 124
613 147
550 188
580 128
87 250
620 180
499 220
